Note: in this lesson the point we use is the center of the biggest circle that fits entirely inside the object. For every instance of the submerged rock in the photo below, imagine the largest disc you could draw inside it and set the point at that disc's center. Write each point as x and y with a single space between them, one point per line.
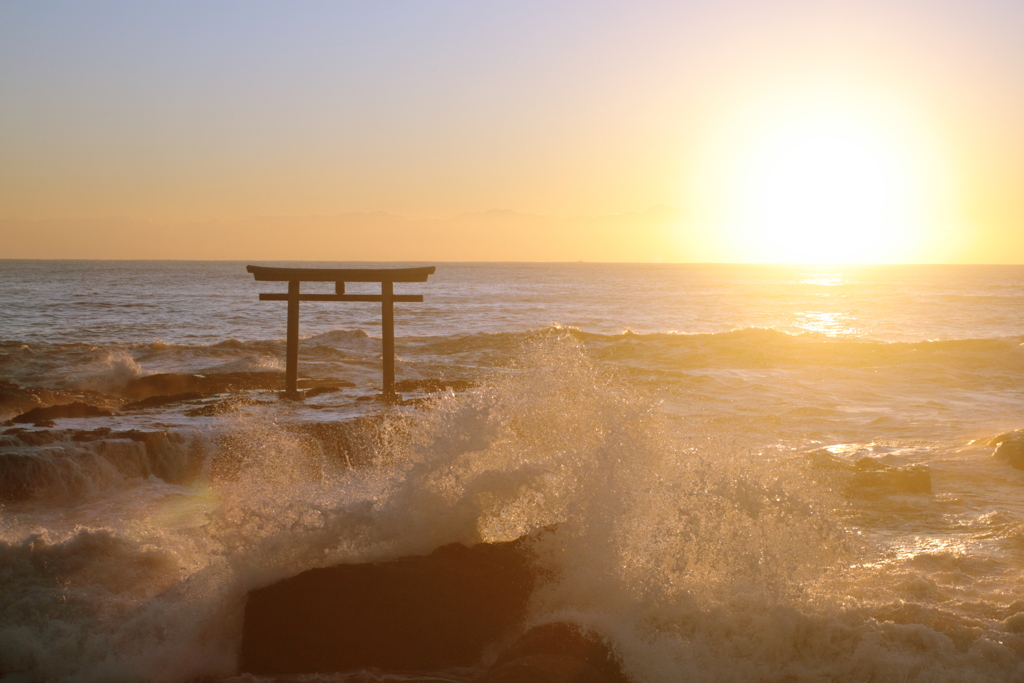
558 652
76 409
413 613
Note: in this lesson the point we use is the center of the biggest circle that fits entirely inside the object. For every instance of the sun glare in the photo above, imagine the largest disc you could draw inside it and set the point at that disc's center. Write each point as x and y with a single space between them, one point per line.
825 191
800 183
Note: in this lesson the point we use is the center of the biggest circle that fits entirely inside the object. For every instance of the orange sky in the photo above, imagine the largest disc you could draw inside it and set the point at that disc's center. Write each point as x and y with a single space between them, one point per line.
185 130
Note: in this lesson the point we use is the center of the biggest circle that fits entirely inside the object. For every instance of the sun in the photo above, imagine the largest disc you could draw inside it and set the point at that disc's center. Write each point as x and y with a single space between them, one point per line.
817 178
825 190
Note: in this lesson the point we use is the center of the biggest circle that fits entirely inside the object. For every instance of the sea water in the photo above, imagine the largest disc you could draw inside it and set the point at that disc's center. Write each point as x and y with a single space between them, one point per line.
758 473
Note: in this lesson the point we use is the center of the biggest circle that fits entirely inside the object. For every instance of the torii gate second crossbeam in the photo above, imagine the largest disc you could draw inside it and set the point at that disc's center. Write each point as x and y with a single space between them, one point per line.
385 276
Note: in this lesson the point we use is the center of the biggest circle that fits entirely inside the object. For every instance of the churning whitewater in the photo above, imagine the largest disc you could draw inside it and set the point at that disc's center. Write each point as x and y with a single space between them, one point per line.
746 473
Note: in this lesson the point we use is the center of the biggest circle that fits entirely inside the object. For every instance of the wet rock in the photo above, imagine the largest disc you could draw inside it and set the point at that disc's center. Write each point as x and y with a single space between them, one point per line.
16 399
558 652
1010 448
158 401
76 410
77 463
413 613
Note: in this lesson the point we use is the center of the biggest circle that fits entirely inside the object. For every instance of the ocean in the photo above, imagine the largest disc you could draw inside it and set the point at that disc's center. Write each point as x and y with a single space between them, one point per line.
757 473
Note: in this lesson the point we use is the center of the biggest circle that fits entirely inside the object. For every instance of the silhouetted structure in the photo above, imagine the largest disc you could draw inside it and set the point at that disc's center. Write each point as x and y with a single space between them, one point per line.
339 276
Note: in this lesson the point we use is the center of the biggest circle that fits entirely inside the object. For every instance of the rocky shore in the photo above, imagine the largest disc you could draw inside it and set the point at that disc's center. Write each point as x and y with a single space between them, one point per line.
58 445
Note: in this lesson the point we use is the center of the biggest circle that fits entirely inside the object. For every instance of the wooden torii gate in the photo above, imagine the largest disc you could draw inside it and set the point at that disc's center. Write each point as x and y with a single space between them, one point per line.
339 276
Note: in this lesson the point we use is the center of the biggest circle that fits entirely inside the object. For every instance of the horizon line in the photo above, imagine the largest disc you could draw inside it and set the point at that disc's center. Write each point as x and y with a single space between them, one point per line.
792 264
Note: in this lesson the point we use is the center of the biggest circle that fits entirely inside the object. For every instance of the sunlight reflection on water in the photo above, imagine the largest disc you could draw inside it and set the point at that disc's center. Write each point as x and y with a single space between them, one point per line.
833 324
826 280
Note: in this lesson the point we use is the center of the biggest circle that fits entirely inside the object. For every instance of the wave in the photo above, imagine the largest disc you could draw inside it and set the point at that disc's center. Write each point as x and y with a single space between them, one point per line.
109 368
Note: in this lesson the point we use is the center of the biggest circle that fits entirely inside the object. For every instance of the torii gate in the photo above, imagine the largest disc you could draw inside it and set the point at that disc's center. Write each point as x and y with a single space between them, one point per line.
339 276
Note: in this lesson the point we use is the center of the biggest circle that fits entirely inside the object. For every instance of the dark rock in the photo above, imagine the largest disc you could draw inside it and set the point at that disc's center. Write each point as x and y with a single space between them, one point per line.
15 399
157 401
556 653
1010 448
412 613
76 409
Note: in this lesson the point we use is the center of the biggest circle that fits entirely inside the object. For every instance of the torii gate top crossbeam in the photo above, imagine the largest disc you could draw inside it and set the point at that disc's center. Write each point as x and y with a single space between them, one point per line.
385 276
267 273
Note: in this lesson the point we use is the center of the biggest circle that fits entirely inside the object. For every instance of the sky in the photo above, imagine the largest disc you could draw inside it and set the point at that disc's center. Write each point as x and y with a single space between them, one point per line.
724 131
